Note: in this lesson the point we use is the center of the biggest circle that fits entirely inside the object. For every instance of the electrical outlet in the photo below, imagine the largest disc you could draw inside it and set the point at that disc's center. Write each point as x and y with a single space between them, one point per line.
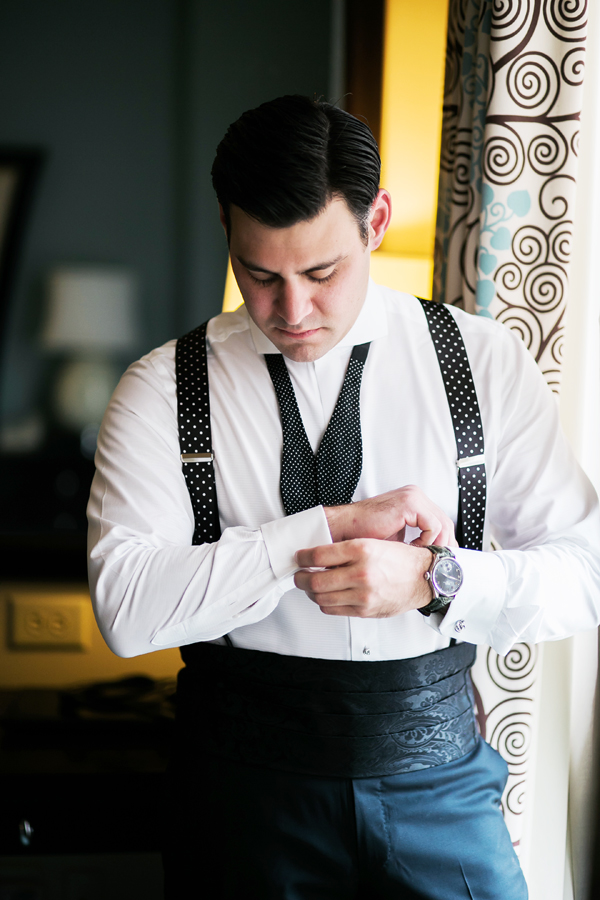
44 621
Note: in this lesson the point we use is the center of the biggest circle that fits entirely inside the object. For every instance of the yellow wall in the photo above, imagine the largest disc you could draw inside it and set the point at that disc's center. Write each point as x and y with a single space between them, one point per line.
55 668
413 274
232 298
413 90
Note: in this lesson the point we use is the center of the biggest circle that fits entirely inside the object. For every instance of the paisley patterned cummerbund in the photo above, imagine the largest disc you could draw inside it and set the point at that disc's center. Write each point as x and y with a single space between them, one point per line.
326 717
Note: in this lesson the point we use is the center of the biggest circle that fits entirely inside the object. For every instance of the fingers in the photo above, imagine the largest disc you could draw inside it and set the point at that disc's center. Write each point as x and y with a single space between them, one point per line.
398 536
339 611
443 538
343 576
365 578
388 514
349 601
431 528
337 565
339 554
326 582
435 526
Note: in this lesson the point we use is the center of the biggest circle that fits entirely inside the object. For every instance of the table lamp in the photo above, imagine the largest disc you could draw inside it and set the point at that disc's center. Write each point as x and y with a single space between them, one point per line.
90 318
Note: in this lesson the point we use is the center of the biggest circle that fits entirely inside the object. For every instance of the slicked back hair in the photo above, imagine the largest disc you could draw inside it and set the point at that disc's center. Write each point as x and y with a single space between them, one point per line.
282 163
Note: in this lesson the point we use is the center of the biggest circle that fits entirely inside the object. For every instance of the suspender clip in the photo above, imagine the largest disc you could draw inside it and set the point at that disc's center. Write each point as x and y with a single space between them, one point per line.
470 461
196 457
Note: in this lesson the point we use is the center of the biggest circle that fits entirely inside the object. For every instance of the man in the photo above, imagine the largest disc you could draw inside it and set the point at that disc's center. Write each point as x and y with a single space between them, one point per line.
327 745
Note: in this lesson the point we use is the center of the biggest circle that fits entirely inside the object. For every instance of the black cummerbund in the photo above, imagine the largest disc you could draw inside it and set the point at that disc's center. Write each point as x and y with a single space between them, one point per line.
326 717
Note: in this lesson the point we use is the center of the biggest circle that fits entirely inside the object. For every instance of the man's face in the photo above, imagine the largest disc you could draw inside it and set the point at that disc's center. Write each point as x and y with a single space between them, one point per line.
303 286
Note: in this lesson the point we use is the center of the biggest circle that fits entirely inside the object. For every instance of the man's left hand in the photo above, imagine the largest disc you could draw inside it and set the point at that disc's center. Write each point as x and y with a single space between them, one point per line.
367 578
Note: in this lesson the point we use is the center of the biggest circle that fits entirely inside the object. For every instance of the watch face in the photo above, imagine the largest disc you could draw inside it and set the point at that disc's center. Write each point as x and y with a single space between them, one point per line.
447 576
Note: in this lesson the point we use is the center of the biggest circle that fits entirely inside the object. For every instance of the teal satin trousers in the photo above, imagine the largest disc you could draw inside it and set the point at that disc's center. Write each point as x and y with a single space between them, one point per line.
242 832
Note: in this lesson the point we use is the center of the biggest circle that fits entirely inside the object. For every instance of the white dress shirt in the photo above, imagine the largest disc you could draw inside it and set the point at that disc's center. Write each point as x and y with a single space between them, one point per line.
152 589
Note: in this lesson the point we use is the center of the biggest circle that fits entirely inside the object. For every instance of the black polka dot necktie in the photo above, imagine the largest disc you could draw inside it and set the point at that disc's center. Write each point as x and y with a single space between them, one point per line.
330 476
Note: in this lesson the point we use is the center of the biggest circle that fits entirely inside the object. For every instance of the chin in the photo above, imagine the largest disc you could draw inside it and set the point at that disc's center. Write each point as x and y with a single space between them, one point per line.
303 351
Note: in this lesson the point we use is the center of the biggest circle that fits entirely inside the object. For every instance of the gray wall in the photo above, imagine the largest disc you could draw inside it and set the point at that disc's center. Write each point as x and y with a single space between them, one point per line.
239 54
129 98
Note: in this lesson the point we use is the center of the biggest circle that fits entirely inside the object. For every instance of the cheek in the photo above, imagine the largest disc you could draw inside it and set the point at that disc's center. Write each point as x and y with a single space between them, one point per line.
257 300
346 298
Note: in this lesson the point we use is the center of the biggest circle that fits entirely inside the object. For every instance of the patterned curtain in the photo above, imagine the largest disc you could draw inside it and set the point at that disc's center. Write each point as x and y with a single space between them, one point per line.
512 101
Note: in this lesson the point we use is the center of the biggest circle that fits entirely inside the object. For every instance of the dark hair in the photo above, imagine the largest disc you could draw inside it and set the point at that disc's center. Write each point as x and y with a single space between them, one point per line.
282 163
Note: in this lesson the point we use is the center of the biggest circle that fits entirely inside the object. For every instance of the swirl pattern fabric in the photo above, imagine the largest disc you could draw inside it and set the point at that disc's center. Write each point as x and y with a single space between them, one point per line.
508 168
328 717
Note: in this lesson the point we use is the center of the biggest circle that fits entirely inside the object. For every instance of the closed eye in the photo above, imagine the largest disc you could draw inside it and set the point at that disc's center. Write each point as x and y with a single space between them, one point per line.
273 278
263 281
322 280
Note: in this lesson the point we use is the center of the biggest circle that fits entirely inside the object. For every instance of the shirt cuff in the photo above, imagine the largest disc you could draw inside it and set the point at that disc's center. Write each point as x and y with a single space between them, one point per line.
284 537
474 611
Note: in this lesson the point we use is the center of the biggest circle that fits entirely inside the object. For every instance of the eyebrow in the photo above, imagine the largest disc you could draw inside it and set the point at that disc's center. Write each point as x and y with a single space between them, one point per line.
317 268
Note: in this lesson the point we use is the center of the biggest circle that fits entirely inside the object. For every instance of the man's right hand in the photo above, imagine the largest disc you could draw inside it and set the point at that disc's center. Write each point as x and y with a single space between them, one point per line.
386 516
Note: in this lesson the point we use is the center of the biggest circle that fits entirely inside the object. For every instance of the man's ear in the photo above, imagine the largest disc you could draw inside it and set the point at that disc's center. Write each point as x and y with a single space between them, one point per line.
379 218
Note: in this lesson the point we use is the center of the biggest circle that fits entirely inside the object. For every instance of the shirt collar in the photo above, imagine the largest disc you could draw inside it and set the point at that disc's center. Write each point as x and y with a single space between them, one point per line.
371 323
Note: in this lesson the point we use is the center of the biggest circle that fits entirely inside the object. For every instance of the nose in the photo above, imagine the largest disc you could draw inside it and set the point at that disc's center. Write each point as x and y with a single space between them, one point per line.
294 302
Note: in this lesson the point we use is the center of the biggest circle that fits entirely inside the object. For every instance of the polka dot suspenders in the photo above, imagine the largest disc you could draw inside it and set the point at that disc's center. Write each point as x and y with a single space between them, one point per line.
466 420
193 419
193 414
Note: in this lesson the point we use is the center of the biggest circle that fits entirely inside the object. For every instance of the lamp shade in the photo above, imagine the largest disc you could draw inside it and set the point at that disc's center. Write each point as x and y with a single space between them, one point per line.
91 308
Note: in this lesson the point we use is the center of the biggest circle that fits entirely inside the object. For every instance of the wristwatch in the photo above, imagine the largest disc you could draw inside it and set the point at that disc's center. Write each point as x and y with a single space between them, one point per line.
445 577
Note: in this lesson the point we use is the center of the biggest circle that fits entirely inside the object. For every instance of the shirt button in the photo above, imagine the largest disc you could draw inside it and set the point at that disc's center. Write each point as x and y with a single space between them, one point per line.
459 626
366 651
